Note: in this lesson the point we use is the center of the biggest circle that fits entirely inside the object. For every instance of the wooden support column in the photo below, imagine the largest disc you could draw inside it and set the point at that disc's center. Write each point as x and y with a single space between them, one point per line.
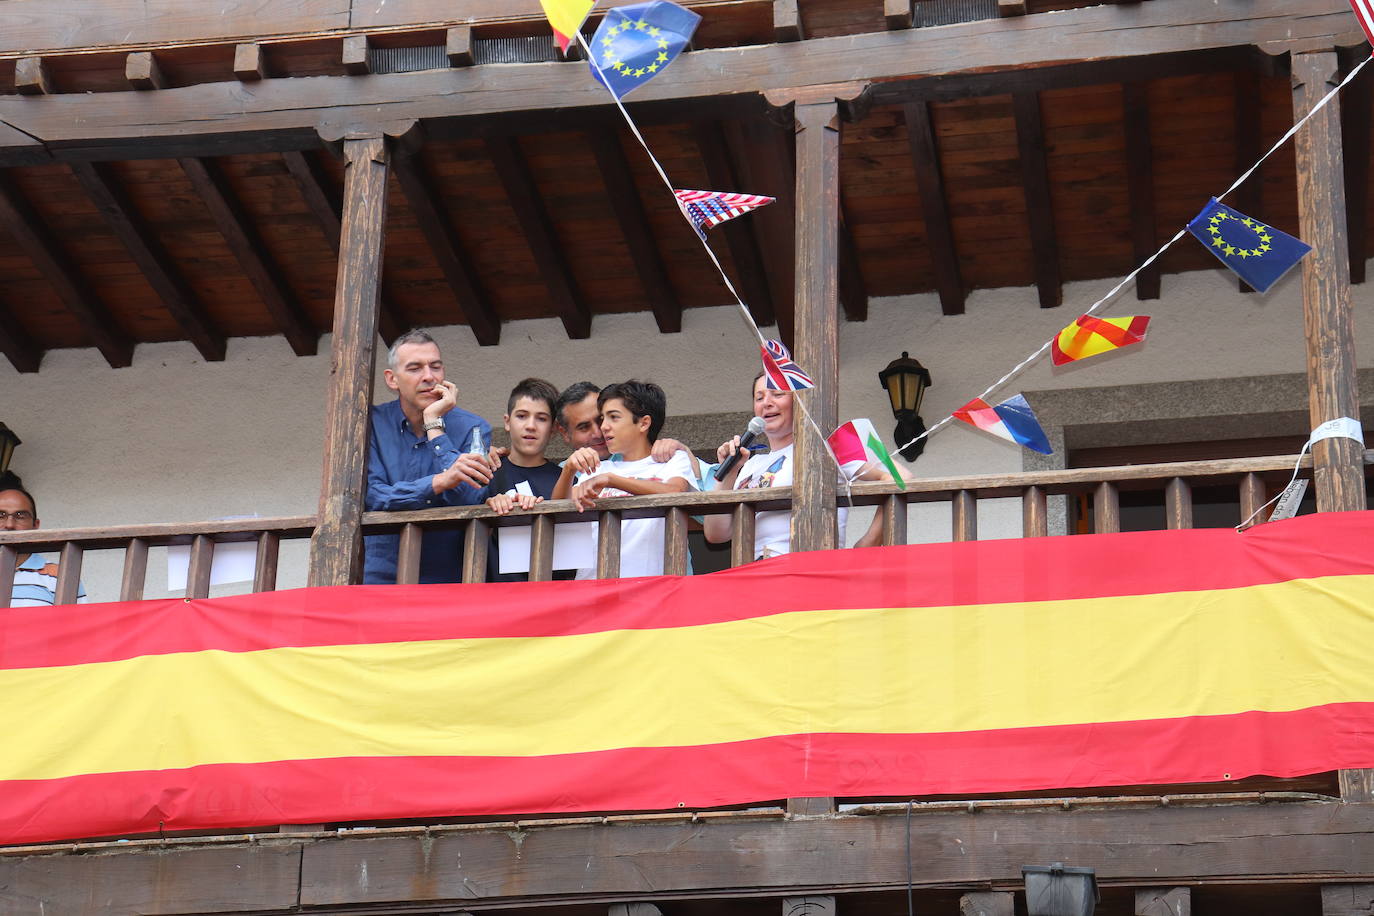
816 116
1338 464
336 546
1163 901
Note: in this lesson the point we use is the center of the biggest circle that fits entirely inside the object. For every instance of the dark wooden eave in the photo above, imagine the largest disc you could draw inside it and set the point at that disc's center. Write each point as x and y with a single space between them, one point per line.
1034 161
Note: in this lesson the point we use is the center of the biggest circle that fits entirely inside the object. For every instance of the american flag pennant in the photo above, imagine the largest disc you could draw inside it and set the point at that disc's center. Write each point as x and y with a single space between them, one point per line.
1364 11
780 372
1089 336
711 208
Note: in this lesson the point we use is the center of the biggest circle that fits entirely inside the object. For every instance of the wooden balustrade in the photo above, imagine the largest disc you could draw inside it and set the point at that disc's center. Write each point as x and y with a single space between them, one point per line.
72 544
1254 479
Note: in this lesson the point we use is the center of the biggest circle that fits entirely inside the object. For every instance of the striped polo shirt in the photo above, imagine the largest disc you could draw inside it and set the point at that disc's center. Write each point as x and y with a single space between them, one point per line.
35 584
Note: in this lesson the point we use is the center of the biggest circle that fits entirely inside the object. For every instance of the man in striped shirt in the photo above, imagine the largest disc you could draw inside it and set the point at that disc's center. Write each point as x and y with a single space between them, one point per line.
35 579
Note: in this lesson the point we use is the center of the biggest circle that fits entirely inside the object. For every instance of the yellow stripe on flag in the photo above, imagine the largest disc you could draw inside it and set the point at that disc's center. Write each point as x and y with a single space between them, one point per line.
1275 647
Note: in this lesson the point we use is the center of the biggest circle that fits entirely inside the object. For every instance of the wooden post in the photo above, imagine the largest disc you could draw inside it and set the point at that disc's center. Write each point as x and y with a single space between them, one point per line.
1178 504
1338 464
1035 521
816 116
335 546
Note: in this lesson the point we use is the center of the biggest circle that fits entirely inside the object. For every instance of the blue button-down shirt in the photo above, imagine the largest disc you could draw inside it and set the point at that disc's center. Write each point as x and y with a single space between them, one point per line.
400 475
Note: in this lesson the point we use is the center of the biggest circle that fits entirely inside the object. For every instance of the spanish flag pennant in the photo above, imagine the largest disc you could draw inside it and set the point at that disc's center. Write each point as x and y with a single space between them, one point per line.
1090 336
566 17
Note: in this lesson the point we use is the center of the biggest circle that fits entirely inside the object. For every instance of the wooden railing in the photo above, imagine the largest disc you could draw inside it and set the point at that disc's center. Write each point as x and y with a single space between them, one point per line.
1253 478
72 543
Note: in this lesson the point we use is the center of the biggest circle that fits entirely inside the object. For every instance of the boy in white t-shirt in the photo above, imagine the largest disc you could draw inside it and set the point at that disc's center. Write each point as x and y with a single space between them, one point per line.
632 414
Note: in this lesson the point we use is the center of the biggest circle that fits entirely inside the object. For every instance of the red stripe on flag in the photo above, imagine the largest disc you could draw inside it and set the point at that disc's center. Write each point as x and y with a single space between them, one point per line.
1204 749
927 575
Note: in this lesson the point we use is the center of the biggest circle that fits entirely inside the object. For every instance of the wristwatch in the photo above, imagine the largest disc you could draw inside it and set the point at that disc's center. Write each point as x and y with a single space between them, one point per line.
434 424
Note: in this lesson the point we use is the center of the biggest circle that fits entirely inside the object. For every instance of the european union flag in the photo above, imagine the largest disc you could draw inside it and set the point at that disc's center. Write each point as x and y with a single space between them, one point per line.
634 43
1257 253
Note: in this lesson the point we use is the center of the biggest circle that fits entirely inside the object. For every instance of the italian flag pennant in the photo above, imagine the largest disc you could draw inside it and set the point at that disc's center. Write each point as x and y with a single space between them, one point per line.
857 440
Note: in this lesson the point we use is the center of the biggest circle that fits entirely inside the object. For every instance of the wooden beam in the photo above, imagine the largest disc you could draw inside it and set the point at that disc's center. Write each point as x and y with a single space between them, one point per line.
142 71
354 55
427 206
787 21
1356 101
1289 843
17 345
31 76
103 188
523 193
248 62
1338 464
740 237
1140 184
939 230
458 46
326 204
1250 195
1035 182
218 117
898 14
1006 8
26 228
1164 901
253 256
817 320
336 547
620 187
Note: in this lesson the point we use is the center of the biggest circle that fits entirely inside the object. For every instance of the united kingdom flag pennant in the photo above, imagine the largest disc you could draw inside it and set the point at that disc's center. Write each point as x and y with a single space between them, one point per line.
1089 336
779 372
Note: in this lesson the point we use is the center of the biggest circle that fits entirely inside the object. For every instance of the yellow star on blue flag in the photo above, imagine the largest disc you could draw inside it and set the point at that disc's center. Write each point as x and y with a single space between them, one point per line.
635 43
1256 253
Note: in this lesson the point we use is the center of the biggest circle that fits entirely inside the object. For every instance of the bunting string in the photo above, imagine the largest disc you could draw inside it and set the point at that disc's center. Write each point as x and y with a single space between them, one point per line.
725 277
1130 277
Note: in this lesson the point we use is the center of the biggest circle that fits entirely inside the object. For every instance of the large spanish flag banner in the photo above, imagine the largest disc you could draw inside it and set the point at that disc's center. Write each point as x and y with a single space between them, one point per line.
1096 660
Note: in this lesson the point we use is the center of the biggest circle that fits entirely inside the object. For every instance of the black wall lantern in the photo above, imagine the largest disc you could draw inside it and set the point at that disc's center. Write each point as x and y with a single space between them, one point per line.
905 381
8 441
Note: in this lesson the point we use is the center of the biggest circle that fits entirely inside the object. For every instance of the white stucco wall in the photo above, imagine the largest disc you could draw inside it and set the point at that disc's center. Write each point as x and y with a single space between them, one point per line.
173 438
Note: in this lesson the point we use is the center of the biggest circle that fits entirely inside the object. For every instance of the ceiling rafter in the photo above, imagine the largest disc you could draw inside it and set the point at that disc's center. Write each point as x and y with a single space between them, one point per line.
252 254
930 184
103 188
15 343
1035 182
1140 185
25 226
533 216
326 204
447 249
623 194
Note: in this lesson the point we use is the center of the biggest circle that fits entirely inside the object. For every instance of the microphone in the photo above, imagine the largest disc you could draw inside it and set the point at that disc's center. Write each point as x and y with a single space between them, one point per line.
751 433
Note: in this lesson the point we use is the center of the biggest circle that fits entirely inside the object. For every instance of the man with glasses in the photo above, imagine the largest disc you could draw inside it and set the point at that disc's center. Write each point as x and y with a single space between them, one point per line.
35 579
